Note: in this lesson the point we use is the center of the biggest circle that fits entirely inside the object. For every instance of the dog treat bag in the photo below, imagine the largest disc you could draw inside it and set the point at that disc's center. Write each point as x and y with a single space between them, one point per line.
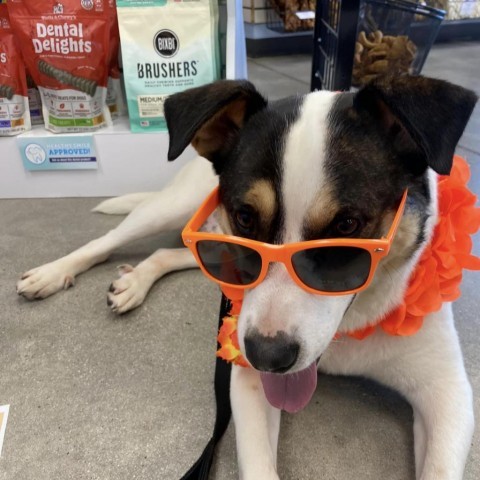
167 46
115 101
65 44
14 113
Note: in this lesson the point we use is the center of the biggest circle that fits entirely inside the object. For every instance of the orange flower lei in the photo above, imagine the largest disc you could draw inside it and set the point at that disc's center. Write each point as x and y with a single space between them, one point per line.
228 338
436 278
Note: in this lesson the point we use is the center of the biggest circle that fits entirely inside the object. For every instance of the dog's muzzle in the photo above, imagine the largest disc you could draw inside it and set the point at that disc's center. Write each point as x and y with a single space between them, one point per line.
273 357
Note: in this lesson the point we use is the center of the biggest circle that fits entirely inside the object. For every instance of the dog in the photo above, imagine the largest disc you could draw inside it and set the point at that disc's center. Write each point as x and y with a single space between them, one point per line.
319 166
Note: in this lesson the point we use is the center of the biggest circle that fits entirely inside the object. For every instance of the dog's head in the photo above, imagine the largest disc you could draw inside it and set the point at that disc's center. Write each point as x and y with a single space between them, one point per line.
319 166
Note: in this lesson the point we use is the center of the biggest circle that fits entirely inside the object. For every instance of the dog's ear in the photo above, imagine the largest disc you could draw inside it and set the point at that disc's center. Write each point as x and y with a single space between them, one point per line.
210 117
424 118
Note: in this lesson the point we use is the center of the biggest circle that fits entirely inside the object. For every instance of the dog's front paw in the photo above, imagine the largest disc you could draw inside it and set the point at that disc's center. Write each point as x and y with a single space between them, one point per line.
128 291
43 281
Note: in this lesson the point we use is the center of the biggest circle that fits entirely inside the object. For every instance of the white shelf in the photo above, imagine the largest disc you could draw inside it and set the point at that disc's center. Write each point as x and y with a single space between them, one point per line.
126 162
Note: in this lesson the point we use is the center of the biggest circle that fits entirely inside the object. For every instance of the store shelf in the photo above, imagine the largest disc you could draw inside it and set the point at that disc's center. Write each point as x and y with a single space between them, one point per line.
126 162
261 41
454 30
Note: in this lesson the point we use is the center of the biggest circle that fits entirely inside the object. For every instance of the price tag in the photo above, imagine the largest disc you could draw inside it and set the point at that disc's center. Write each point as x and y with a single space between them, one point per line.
308 15
467 9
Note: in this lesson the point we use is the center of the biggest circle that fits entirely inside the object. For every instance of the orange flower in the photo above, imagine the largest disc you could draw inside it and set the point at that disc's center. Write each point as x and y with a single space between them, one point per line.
228 339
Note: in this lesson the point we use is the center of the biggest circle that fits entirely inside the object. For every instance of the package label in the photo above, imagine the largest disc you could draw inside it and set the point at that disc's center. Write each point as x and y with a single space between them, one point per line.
68 152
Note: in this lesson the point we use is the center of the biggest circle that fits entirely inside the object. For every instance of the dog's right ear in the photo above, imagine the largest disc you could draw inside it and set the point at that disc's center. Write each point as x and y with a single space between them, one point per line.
210 117
423 118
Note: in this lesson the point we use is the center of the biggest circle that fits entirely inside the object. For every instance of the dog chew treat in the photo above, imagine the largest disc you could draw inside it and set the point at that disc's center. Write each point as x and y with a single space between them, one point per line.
287 10
7 91
85 85
377 55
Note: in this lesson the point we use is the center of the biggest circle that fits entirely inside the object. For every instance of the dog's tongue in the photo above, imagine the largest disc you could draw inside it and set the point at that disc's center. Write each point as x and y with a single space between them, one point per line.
292 391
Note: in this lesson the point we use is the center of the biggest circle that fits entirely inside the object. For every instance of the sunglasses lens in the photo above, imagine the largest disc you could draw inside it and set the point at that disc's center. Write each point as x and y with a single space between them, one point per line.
230 263
333 269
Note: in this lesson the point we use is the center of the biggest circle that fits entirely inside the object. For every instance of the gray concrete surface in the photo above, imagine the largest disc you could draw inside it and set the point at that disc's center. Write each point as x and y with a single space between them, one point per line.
96 396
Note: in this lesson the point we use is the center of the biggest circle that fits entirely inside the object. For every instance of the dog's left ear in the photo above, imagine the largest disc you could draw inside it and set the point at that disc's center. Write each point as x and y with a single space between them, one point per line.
424 118
210 117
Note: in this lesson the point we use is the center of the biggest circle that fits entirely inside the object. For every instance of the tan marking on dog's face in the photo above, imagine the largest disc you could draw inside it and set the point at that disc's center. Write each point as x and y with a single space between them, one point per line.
261 196
322 211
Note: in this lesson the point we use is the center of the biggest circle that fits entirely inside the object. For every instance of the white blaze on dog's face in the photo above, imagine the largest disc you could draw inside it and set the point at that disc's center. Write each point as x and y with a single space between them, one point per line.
320 166
278 304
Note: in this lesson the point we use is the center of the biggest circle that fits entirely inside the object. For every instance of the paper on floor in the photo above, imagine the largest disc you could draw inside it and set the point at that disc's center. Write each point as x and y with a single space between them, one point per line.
3 423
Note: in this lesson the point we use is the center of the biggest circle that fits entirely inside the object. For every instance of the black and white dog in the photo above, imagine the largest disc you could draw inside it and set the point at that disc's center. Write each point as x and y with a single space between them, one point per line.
317 166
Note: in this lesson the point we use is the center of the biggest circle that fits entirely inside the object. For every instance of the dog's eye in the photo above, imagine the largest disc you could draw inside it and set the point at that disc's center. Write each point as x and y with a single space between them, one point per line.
347 226
245 219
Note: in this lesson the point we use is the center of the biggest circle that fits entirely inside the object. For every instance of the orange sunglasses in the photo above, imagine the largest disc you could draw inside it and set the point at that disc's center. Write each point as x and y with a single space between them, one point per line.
337 266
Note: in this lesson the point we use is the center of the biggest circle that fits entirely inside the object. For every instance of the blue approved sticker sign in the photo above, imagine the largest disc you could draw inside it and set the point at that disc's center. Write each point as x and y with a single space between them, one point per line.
68 152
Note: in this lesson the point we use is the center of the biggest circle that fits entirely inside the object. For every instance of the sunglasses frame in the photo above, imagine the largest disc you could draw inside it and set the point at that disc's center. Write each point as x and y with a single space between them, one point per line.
269 253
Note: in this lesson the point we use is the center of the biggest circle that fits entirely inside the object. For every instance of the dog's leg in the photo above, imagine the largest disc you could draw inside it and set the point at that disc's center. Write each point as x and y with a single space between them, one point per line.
168 210
129 291
433 379
427 369
419 439
257 426
445 405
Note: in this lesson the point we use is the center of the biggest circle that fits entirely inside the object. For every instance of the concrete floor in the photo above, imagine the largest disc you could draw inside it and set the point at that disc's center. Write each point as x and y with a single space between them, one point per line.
95 396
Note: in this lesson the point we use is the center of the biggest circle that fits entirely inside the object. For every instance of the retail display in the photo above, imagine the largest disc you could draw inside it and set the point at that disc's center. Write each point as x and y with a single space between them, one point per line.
127 161
66 49
392 37
14 112
167 47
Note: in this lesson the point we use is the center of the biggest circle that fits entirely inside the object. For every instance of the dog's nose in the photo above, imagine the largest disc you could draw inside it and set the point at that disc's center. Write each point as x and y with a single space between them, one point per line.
271 354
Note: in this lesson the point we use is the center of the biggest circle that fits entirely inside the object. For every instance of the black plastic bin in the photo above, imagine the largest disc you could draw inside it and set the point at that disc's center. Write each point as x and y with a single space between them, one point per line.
371 38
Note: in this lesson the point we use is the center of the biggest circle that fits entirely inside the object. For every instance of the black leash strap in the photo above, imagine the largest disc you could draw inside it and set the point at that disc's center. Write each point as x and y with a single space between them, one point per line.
201 468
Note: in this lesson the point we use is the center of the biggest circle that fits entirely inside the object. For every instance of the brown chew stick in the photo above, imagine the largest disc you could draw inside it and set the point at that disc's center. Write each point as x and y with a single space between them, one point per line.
85 85
7 91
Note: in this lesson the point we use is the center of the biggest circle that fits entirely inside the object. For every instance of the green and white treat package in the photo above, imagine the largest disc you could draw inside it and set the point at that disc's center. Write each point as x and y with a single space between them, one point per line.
167 46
